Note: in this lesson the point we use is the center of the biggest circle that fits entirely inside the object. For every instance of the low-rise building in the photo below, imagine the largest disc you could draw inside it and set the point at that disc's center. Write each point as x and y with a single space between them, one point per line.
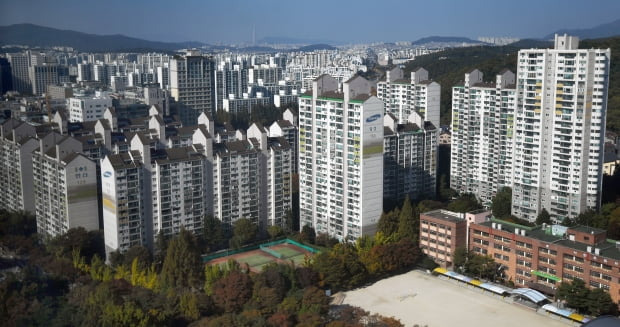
542 257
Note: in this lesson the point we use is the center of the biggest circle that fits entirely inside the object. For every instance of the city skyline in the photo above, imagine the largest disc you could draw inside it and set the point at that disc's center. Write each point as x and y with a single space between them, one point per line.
397 21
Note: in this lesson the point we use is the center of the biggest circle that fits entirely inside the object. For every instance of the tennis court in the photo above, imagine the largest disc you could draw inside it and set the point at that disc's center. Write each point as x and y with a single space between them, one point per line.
280 252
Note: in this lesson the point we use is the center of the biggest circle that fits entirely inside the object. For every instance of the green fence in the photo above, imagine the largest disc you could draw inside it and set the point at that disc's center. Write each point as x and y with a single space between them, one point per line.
270 251
224 253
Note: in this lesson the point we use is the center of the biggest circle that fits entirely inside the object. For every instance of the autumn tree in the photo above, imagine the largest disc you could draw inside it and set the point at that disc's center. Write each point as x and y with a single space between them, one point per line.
388 223
230 293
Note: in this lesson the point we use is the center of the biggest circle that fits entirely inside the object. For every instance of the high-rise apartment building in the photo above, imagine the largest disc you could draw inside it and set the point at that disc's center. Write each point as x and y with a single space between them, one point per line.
341 158
230 81
410 158
287 128
19 72
191 83
124 209
274 170
482 131
237 181
43 75
150 191
403 96
65 186
17 141
559 129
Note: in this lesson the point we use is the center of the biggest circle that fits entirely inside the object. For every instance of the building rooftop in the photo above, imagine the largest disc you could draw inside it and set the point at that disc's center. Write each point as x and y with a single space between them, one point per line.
608 248
122 161
278 143
587 229
446 215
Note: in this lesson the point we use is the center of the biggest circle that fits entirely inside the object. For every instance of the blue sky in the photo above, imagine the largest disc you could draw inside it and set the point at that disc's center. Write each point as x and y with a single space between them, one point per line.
232 21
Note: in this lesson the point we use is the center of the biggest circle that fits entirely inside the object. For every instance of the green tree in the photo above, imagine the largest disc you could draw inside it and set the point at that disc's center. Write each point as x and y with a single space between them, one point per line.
340 268
481 266
88 243
445 192
502 203
459 258
388 223
161 247
429 205
244 231
575 294
138 252
543 217
288 221
613 225
188 306
600 303
275 232
464 203
307 234
213 233
182 266
408 222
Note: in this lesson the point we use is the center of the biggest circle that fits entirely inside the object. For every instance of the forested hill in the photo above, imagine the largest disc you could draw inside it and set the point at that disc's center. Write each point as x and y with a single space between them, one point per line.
448 68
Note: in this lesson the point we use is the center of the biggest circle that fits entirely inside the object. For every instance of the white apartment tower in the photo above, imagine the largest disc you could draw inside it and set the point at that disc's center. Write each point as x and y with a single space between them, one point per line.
237 181
559 129
341 158
65 186
17 141
402 96
482 131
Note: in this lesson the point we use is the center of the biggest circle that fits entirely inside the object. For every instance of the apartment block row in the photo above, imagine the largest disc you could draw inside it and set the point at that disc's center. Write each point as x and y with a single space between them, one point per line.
540 132
46 173
539 257
137 178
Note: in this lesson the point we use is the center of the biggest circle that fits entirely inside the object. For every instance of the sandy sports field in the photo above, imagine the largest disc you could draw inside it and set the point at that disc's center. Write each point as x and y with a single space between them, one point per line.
423 299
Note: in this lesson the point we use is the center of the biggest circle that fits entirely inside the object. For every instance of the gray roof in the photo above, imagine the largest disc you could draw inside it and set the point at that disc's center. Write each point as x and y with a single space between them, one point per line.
603 321
443 215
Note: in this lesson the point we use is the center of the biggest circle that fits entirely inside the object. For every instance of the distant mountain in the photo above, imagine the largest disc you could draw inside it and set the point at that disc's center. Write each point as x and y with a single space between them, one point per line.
35 35
313 47
531 44
445 39
291 40
256 49
600 31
